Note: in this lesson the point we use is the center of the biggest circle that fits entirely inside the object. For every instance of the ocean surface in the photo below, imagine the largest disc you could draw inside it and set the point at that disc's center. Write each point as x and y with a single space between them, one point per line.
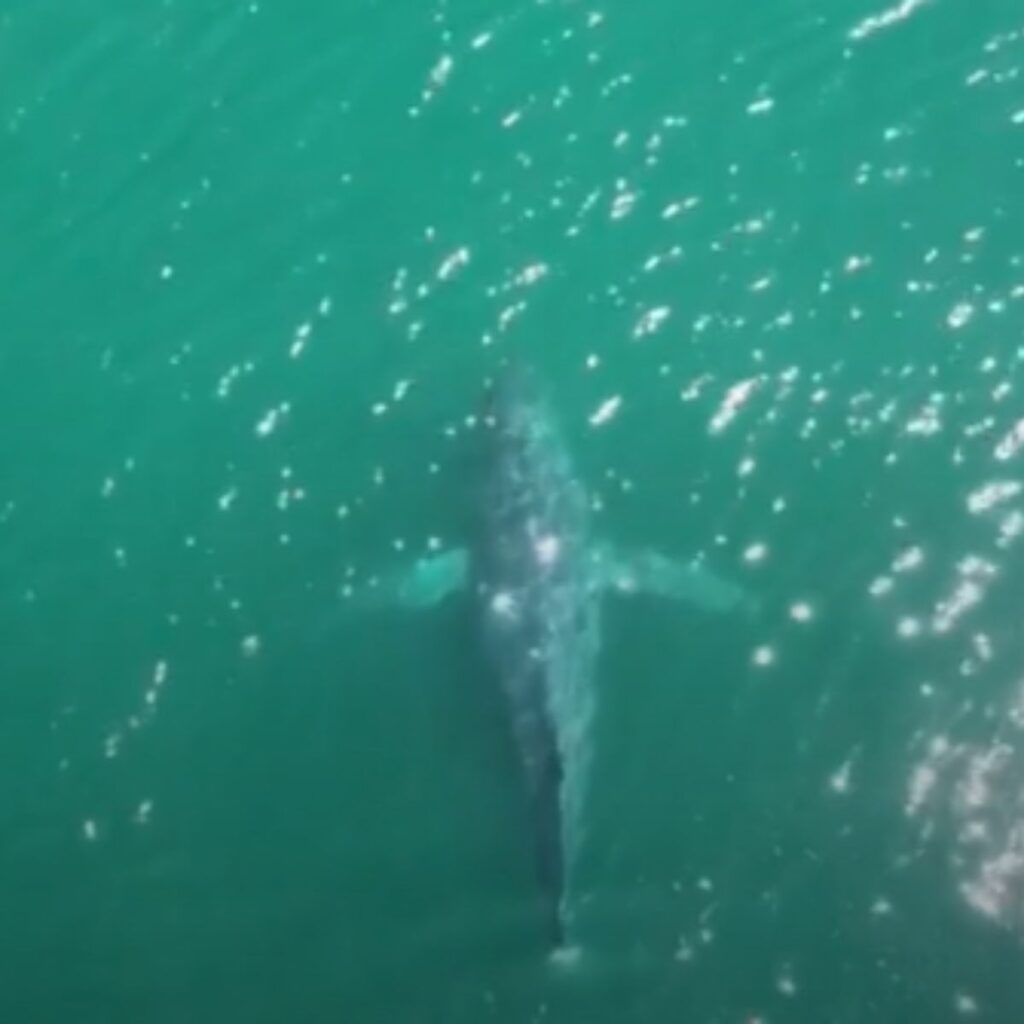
259 259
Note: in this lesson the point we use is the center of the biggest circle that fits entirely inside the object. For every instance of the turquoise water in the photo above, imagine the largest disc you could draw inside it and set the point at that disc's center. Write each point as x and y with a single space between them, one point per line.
260 258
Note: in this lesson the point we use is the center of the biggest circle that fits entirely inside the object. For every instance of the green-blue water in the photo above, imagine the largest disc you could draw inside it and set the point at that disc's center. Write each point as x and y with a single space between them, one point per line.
258 259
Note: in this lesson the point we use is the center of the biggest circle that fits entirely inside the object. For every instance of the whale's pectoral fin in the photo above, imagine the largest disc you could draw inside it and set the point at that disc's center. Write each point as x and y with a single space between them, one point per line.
427 582
649 572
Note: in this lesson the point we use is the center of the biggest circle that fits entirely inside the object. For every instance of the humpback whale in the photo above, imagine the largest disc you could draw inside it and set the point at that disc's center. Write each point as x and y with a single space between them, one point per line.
537 577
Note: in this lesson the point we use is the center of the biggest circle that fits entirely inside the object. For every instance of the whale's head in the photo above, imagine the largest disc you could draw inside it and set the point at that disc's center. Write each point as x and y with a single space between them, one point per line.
515 406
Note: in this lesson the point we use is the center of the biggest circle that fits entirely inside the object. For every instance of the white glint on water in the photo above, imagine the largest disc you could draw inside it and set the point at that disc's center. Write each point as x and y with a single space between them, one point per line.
801 611
761 106
755 553
622 205
839 780
547 550
785 983
1011 442
925 774
441 71
531 274
885 19
974 575
272 419
927 422
1011 526
734 400
682 206
991 494
651 321
909 627
605 411
905 561
299 341
453 263
960 315
565 957
881 907
965 1004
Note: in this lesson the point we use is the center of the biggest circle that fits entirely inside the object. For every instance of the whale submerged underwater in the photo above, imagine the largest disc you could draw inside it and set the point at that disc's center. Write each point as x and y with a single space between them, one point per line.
537 578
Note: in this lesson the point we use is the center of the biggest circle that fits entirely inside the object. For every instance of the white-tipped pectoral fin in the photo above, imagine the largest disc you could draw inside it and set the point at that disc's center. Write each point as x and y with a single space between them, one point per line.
649 572
425 583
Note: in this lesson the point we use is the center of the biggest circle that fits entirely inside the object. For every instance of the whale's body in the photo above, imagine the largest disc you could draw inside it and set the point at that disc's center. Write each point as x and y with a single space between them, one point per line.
537 578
